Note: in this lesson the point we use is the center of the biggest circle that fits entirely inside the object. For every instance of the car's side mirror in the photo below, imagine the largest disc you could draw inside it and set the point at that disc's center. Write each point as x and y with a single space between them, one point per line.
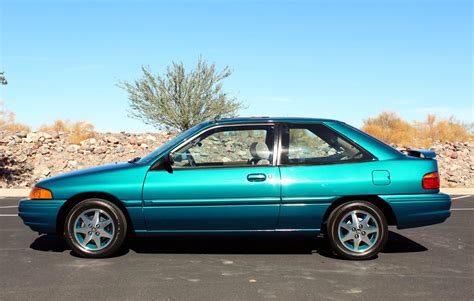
170 157
168 162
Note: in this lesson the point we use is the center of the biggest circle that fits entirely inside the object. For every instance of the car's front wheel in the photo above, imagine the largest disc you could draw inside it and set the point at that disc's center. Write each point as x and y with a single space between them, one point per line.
357 230
95 228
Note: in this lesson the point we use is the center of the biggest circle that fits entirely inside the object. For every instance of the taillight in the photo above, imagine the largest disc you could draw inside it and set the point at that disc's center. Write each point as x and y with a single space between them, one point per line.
431 180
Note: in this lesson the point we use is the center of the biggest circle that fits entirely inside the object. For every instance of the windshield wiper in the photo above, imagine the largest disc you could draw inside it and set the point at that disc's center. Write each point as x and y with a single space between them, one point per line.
134 160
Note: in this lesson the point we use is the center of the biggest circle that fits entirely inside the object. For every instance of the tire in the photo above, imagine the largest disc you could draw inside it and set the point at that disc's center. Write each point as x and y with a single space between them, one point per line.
359 240
95 228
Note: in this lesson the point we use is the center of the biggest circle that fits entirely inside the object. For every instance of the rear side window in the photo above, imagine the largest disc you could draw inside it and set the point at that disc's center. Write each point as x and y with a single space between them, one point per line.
318 144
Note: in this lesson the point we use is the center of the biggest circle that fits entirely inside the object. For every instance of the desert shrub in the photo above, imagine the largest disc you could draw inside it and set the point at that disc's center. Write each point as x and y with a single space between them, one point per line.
8 123
389 127
75 131
3 80
432 130
59 126
81 131
180 99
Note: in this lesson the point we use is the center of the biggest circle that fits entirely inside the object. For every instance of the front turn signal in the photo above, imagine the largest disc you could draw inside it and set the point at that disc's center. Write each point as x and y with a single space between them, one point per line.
38 193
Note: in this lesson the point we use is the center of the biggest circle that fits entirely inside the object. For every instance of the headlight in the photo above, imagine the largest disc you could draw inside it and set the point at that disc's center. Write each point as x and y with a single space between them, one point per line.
38 193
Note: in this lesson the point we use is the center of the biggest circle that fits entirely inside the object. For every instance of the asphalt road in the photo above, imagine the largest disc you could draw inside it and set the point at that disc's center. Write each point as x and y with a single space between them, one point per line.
430 263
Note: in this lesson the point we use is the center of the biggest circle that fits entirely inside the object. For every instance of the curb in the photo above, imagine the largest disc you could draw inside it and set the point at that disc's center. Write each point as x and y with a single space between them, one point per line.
6 192
23 192
463 191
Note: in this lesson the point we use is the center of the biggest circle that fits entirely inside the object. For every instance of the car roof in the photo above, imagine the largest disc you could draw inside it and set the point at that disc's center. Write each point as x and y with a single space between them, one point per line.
272 119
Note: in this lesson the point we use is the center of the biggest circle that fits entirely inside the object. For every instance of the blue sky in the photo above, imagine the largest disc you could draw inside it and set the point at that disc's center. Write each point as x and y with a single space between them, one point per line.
347 60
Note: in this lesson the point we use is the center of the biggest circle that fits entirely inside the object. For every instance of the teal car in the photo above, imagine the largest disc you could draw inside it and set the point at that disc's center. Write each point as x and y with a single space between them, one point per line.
247 175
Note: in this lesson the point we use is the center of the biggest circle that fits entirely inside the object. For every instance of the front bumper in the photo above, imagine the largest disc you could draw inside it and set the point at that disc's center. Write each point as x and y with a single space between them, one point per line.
40 215
416 210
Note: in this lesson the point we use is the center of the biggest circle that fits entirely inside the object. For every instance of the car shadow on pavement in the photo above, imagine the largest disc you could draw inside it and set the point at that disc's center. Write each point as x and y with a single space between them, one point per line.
50 243
220 244
233 244
398 243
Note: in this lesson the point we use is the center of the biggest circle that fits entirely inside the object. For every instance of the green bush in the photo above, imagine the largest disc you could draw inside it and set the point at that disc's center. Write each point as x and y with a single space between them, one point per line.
178 99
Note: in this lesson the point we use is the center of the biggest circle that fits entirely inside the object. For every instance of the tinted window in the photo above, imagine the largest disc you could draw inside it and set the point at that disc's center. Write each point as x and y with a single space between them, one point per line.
317 144
229 146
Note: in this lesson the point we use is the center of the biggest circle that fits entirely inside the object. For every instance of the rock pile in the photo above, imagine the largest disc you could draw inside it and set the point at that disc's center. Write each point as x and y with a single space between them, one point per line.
456 163
26 158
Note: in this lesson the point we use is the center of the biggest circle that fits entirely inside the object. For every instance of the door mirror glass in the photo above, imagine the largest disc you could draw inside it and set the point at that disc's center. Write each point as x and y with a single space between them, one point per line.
167 163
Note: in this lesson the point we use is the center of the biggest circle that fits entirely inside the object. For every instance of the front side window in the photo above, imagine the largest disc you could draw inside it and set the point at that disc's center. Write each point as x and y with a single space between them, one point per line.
318 144
229 146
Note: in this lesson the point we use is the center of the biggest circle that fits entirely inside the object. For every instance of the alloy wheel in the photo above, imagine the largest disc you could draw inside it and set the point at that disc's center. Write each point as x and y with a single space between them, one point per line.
358 231
94 229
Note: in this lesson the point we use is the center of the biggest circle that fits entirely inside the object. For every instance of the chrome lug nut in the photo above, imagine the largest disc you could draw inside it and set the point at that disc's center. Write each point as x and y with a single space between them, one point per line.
356 236
363 232
353 228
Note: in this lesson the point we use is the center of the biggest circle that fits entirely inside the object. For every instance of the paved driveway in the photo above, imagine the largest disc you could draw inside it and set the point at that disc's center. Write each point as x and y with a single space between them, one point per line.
435 262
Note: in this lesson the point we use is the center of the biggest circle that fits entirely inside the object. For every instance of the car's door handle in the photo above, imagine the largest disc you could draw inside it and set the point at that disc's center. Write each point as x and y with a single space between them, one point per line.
256 177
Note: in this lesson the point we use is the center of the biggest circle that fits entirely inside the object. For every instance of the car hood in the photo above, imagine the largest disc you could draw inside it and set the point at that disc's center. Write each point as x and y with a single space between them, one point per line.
89 171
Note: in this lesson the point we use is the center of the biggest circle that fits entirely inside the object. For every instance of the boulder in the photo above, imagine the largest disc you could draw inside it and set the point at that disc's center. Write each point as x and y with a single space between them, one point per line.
73 148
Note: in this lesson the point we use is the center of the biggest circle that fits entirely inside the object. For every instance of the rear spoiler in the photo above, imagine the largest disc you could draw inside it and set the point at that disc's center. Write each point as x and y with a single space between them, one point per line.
420 153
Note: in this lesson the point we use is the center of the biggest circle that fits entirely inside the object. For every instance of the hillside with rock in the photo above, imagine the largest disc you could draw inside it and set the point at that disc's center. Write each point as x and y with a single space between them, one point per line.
456 163
26 158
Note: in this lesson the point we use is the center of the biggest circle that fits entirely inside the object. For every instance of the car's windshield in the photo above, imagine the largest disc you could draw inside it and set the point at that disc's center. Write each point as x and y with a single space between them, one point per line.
183 136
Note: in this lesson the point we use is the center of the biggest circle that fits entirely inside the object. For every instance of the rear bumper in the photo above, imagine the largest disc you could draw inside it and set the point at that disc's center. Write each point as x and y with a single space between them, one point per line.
416 210
40 215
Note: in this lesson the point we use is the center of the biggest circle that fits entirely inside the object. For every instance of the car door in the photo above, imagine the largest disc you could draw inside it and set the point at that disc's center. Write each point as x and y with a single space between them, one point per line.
318 166
223 179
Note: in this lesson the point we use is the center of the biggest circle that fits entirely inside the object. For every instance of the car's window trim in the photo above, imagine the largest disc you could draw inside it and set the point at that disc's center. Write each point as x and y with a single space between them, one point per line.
156 166
178 169
370 156
277 148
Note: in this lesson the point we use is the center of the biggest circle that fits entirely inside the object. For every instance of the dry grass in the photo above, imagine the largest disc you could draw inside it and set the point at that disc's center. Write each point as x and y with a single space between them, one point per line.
59 126
81 131
76 131
8 123
389 127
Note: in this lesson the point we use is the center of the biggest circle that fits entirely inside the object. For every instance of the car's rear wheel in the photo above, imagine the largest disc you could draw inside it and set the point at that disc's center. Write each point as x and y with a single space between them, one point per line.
95 228
357 230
